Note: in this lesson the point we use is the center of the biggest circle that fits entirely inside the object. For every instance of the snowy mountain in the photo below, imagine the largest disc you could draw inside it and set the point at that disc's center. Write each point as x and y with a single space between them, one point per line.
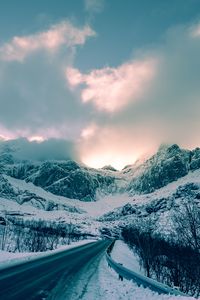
70 201
155 187
65 178
167 165
21 193
76 181
160 205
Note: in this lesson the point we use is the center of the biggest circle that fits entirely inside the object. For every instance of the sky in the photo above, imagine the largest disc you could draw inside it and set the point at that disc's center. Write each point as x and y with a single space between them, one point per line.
104 82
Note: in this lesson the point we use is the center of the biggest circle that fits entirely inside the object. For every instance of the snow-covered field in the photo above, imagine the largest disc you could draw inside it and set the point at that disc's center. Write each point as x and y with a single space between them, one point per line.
89 212
97 208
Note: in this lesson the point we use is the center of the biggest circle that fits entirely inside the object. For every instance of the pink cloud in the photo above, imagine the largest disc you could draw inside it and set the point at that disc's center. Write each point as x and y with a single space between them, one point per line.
110 89
34 135
61 34
74 77
89 131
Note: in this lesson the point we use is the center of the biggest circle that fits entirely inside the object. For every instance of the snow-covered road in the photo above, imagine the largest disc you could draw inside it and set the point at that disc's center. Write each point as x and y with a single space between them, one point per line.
94 280
40 276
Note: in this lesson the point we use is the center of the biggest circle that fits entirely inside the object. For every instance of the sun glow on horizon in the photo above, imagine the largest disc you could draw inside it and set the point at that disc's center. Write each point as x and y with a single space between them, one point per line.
4 138
36 138
118 162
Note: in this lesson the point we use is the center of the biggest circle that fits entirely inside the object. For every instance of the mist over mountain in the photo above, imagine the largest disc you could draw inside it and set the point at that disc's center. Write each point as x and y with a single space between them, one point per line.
54 166
51 149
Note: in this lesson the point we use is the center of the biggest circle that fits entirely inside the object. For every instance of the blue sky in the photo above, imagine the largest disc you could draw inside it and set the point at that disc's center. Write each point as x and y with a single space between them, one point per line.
116 78
122 26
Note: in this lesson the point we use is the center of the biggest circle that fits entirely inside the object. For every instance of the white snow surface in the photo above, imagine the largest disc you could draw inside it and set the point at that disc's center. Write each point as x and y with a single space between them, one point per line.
121 253
103 205
90 210
168 190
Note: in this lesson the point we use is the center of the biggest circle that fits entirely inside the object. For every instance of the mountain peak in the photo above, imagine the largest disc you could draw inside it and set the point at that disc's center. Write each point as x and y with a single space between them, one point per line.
109 168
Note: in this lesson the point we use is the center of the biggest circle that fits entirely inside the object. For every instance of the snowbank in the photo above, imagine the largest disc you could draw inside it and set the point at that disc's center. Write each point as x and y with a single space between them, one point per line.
105 285
121 253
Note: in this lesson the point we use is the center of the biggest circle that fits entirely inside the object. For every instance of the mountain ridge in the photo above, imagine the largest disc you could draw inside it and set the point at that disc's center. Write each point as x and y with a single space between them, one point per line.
76 181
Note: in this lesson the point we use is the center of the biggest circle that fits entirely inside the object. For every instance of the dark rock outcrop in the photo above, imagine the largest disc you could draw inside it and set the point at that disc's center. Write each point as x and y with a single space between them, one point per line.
167 165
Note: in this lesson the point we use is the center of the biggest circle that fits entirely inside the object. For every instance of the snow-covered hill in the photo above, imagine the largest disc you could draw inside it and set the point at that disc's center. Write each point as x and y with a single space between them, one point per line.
161 204
51 188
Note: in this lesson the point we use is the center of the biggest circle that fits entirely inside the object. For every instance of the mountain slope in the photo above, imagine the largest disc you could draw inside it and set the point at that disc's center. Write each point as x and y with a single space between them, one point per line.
77 181
167 165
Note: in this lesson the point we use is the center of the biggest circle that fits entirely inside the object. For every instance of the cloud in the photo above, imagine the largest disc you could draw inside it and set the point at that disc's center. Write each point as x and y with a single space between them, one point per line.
58 35
110 89
113 115
167 110
34 97
115 144
94 6
52 149
194 30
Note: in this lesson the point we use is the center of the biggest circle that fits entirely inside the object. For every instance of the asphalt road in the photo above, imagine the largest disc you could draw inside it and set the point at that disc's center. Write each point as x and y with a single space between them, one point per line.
35 280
